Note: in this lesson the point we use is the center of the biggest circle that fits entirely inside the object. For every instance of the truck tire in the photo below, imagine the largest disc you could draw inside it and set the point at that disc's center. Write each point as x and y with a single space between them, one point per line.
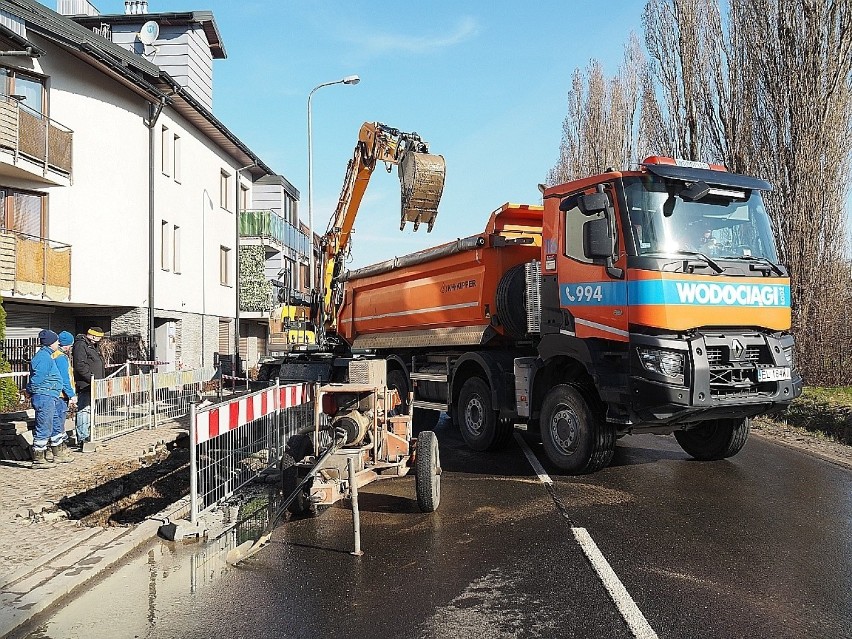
575 438
427 469
297 448
478 421
511 303
717 439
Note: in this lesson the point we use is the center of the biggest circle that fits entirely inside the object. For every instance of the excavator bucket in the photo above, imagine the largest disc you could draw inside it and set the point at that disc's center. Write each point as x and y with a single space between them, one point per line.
421 178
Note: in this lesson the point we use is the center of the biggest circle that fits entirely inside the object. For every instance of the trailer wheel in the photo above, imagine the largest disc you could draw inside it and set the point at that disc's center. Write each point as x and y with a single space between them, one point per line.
717 439
575 439
427 468
477 419
296 450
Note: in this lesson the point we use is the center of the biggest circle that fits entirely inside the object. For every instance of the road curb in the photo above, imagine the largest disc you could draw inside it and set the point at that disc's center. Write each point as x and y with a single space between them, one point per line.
38 586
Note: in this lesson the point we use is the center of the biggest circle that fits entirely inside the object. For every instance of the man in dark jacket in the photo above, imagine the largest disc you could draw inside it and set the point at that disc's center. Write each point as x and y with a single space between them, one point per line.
88 364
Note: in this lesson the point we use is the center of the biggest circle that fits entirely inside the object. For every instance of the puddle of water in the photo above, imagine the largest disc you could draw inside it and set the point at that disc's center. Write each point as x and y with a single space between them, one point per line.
158 582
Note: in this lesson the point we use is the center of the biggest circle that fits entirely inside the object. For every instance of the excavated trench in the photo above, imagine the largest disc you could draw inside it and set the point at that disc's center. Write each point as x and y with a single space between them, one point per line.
126 493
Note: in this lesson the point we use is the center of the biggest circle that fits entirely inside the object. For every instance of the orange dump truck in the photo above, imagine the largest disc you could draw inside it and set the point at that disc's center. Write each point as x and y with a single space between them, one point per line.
630 302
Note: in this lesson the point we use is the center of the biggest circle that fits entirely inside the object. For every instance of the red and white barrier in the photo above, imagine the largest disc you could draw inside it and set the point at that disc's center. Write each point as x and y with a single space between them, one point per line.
221 419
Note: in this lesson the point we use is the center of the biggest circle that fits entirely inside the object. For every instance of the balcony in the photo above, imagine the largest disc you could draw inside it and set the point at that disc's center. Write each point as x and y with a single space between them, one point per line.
32 146
34 267
269 227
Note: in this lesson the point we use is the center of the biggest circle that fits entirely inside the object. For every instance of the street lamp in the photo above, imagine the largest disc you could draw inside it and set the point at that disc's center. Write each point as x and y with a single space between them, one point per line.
349 79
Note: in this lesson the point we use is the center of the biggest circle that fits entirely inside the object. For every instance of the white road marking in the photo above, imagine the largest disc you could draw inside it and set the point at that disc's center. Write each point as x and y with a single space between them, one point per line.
543 477
634 618
636 621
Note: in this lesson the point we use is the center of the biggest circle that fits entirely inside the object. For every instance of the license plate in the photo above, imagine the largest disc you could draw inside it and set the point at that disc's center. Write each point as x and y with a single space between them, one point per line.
773 374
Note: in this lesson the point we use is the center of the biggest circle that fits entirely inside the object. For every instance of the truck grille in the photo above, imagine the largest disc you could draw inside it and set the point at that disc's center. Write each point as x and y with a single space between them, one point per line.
717 355
732 362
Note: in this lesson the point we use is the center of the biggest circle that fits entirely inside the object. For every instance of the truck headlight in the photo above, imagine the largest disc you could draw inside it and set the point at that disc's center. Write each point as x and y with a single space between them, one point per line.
668 363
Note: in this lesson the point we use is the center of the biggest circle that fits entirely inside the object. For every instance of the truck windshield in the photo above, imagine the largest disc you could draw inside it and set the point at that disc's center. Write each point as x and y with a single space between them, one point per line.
725 223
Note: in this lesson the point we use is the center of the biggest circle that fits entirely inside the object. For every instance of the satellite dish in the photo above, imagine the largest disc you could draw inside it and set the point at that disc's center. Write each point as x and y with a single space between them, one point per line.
149 33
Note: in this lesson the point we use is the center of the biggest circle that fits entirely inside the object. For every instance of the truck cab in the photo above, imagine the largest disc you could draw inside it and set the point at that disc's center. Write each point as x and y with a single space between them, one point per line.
664 286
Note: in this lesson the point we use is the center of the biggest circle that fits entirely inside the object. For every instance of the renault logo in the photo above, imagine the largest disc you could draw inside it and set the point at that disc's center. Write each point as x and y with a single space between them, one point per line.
737 349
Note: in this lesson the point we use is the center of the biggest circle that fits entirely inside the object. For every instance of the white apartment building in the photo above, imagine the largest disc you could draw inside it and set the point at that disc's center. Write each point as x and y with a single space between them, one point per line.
120 189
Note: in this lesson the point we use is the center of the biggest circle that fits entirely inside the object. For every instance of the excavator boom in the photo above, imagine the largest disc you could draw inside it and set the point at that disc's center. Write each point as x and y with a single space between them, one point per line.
421 177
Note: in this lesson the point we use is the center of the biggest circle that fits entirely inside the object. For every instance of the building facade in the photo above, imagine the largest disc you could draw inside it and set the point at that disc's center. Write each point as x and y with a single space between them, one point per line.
122 192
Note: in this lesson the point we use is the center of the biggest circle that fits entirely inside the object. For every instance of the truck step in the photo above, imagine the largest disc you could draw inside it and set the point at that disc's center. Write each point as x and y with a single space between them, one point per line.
429 377
430 405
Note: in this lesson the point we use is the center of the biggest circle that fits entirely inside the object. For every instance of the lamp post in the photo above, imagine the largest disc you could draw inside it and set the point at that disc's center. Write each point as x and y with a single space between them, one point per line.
349 79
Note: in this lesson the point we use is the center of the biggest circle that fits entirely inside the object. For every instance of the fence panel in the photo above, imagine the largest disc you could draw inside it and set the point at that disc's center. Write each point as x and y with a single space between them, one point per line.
123 404
173 391
120 405
232 442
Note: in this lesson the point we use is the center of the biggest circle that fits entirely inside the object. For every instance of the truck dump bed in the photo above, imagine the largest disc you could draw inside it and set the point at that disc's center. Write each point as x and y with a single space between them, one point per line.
442 296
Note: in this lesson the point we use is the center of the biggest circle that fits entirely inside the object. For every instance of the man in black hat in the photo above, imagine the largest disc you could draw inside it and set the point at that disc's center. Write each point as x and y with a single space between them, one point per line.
88 365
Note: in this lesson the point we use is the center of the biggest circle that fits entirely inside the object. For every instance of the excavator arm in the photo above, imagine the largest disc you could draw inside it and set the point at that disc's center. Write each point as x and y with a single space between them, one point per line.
421 177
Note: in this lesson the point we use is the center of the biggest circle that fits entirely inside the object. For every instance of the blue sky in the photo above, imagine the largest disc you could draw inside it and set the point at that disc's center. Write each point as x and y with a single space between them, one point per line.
484 83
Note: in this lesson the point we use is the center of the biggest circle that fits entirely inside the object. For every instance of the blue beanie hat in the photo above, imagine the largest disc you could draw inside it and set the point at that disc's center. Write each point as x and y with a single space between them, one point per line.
47 337
66 338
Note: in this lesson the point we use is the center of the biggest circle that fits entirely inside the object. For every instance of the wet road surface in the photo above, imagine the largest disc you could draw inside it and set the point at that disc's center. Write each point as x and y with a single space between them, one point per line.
755 546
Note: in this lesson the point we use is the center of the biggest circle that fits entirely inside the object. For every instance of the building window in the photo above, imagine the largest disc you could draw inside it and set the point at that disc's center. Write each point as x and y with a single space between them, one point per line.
244 198
224 190
28 88
165 254
224 266
176 154
176 249
24 212
166 151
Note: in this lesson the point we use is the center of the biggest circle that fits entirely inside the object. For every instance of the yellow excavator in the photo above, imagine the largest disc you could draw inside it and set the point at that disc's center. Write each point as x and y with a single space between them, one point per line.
421 177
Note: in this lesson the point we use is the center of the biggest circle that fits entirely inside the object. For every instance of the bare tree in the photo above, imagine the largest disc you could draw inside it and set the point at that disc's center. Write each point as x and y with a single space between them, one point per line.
764 87
801 64
601 127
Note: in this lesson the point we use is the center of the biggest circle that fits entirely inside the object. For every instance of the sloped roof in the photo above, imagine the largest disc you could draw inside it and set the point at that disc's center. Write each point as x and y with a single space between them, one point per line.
134 71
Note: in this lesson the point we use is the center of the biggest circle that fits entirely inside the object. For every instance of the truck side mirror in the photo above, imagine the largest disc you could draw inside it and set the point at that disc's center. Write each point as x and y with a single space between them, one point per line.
592 203
597 242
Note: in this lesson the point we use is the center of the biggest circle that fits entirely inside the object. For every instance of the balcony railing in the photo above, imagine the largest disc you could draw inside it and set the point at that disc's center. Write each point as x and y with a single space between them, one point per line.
33 135
270 225
34 266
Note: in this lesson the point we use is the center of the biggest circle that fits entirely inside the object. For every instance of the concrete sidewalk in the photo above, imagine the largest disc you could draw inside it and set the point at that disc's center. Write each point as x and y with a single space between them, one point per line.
45 551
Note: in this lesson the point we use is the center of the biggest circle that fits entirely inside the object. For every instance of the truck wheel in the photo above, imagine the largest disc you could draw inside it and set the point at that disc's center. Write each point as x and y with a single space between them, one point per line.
478 422
296 450
575 439
717 439
427 468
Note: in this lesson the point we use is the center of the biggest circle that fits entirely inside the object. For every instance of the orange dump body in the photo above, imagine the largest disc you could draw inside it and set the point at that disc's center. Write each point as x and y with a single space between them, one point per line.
440 296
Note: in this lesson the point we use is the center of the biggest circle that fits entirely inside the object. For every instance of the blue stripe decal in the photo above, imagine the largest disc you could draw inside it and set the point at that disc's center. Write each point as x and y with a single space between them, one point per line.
593 294
702 293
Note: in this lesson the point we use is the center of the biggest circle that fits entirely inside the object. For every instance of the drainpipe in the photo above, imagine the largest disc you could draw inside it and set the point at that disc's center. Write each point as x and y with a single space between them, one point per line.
154 111
237 266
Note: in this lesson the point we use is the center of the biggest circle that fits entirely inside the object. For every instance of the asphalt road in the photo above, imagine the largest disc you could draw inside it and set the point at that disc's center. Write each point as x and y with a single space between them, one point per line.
654 545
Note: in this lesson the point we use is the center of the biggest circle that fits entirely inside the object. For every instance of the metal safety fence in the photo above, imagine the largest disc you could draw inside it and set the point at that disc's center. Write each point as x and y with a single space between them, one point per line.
121 405
232 442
